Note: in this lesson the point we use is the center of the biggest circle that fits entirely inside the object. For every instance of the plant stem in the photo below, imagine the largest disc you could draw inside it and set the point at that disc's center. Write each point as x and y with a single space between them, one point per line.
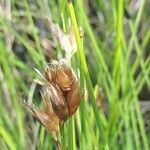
63 140
85 71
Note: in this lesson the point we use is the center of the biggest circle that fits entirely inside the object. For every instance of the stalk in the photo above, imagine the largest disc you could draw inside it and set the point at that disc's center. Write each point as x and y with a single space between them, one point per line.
85 71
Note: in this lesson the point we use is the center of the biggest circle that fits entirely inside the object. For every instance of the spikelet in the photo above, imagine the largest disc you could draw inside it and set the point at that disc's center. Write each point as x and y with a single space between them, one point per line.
61 96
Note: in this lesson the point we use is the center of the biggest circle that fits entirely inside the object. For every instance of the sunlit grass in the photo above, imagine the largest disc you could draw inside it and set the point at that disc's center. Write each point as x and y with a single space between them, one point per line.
113 59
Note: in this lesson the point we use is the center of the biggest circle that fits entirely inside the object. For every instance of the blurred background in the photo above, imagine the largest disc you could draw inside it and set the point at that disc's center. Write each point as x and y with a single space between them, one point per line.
116 46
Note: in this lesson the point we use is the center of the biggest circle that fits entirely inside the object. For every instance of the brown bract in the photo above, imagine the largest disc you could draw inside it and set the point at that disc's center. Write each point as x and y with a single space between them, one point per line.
61 95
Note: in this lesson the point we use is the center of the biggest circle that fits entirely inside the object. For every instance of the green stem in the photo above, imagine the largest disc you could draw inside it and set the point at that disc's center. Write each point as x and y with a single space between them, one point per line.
118 47
85 71
63 140
71 145
41 138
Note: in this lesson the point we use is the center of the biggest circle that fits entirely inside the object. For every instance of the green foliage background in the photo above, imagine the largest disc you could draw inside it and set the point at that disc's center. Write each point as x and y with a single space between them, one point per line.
113 56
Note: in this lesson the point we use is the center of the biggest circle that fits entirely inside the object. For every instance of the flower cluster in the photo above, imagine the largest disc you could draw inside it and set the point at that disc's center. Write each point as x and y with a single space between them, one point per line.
60 95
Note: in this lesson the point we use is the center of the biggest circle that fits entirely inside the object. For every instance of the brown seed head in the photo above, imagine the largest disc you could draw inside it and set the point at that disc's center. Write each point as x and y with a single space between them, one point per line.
63 88
61 95
60 74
